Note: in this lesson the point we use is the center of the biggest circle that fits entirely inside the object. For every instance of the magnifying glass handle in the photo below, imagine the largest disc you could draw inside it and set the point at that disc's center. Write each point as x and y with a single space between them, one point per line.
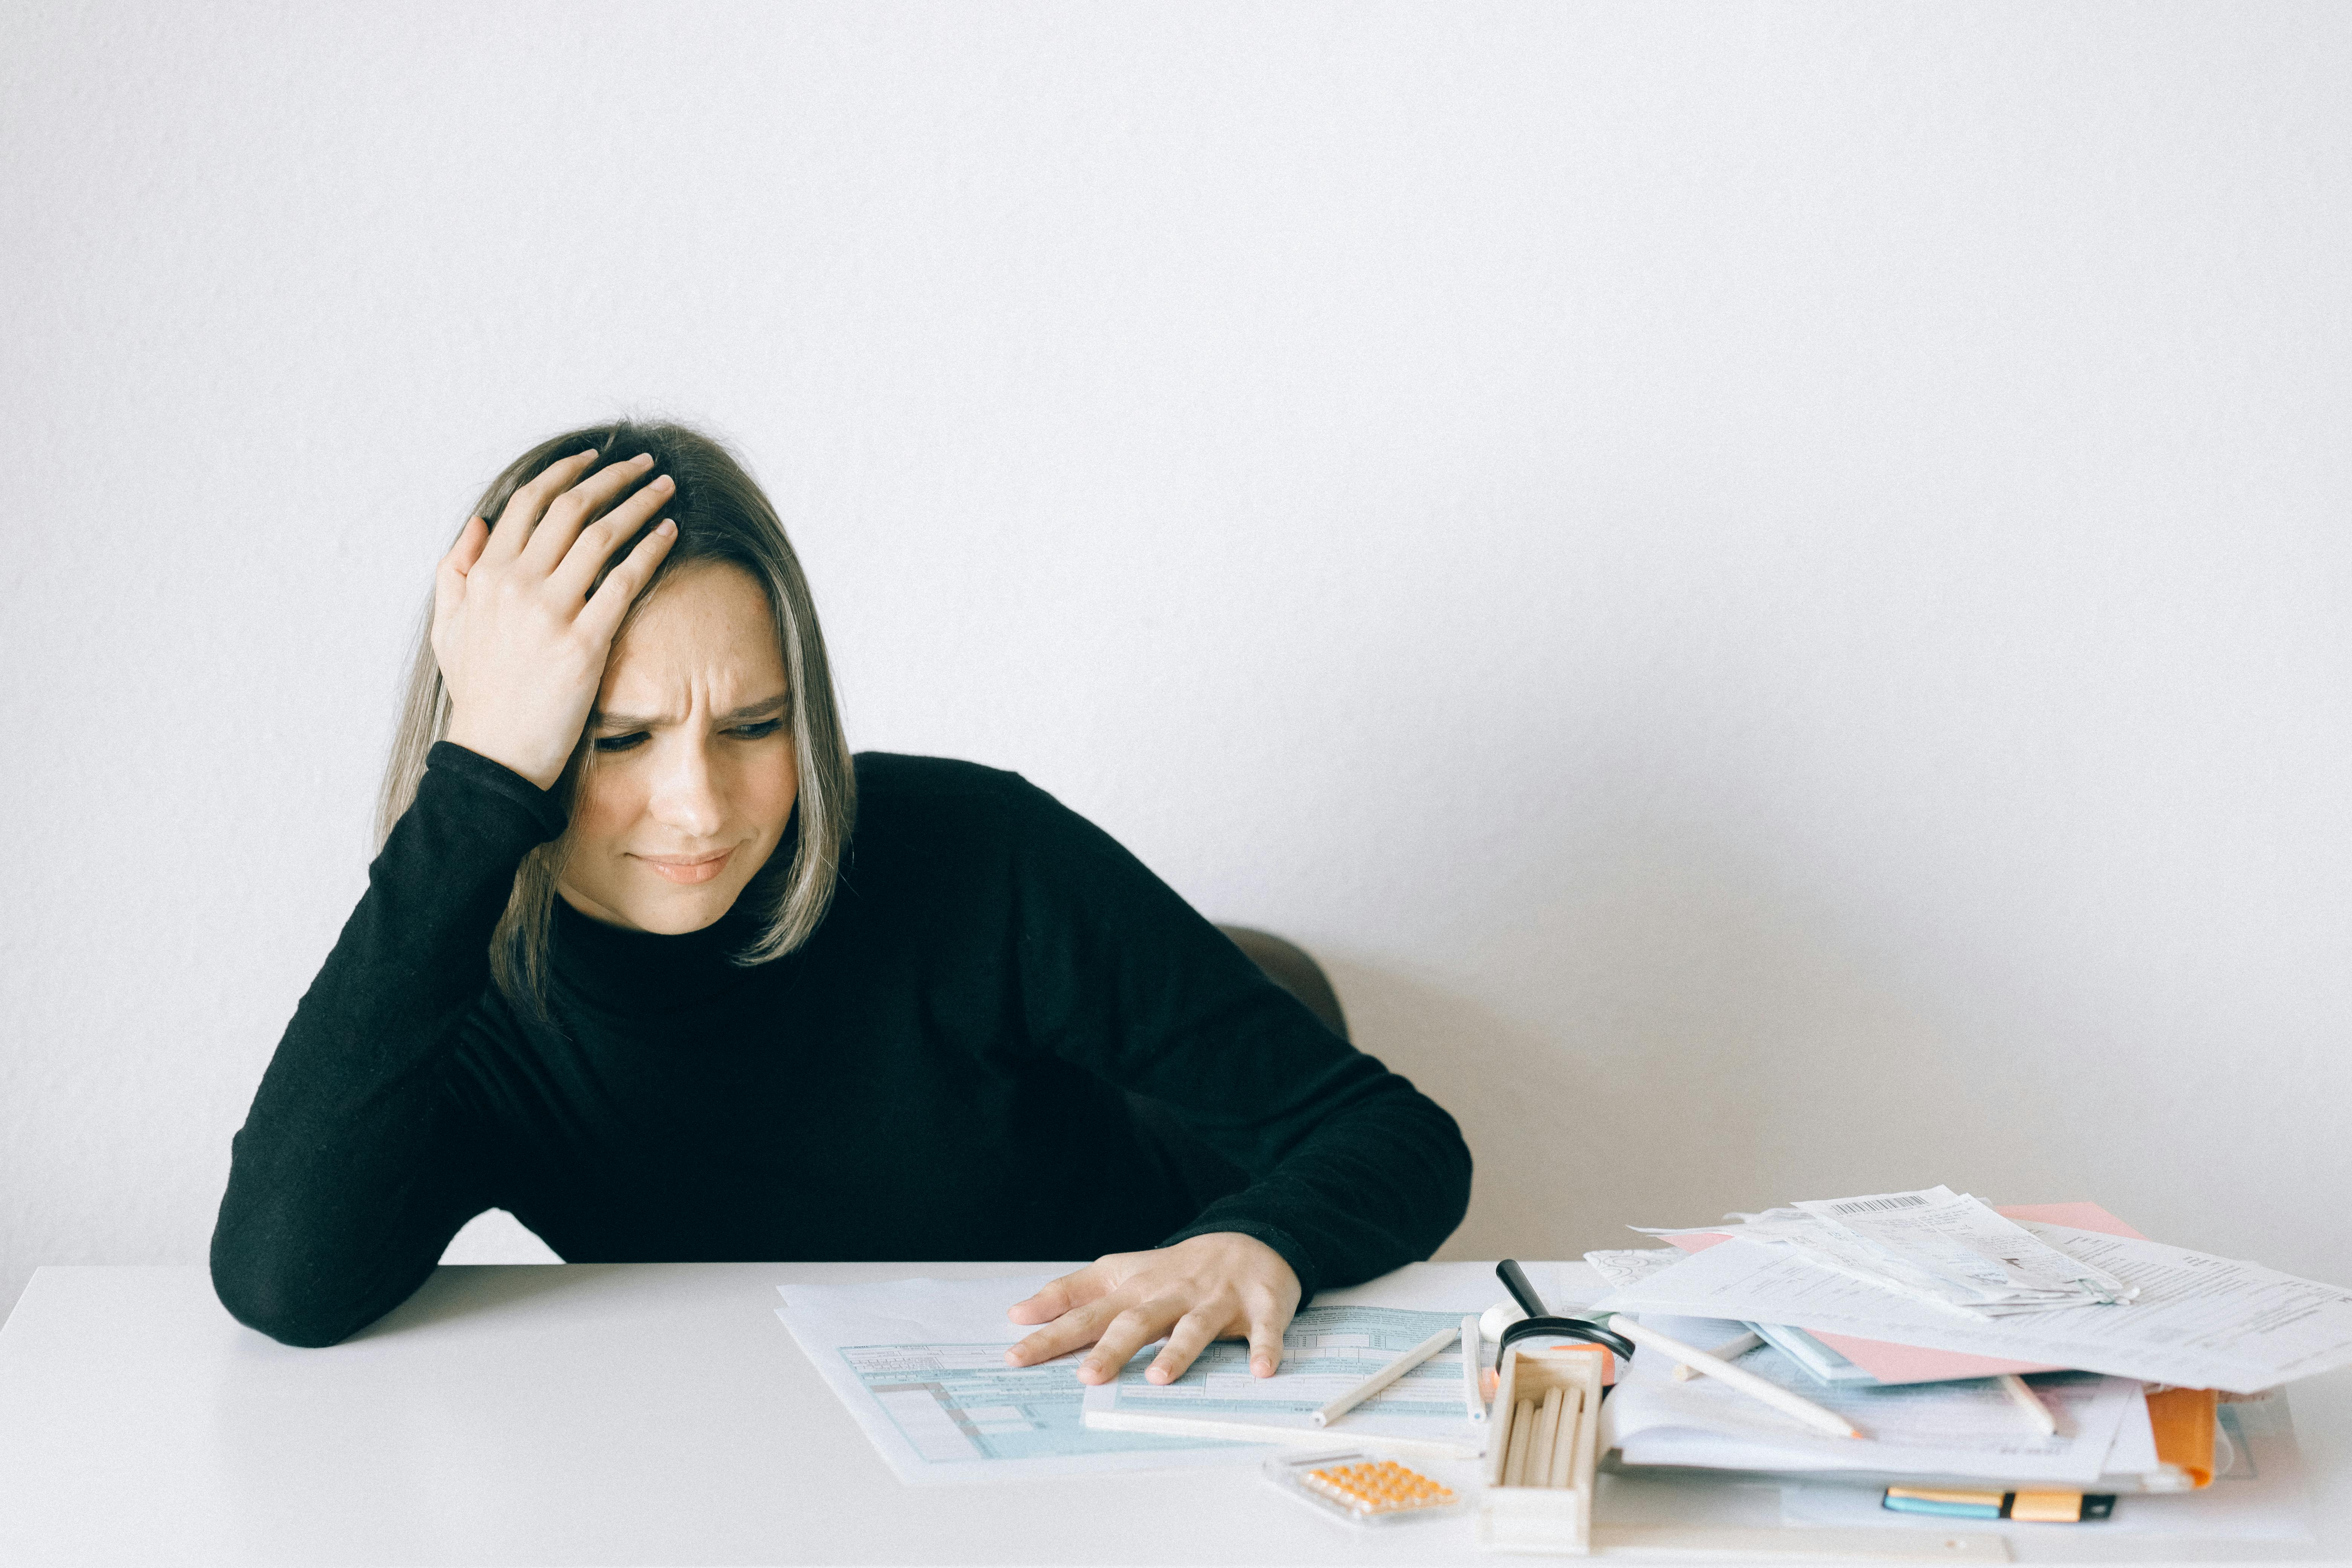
1515 1280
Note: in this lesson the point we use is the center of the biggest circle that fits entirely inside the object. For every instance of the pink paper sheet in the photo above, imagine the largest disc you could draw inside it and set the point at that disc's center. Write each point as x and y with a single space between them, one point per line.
1909 1363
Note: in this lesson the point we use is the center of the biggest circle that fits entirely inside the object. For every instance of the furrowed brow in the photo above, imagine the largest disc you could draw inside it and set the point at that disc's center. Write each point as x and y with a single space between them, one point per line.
767 707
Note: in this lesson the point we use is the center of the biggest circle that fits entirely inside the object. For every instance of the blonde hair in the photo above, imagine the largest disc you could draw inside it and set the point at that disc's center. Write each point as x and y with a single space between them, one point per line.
722 517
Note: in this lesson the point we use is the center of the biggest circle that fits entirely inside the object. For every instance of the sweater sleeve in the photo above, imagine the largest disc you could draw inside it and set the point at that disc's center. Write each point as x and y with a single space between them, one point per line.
356 1165
1354 1171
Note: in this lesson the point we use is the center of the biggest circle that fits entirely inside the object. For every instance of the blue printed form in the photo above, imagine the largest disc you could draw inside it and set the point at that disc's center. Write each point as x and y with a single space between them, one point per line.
919 1366
1328 1350
958 1404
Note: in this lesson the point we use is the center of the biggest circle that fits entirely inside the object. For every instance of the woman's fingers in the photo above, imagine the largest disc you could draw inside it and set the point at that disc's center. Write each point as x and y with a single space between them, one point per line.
1266 1325
1057 1297
522 510
1073 1330
1220 1283
587 548
1191 1336
601 616
572 511
523 655
450 577
471 540
1072 1310
1128 1333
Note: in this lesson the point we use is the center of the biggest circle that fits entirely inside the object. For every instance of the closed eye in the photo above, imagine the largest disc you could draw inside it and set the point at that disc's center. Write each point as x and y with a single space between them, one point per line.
629 740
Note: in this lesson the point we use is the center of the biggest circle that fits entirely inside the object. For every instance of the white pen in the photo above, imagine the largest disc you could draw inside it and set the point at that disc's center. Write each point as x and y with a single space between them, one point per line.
1470 1399
1729 1350
1386 1376
2030 1402
1730 1377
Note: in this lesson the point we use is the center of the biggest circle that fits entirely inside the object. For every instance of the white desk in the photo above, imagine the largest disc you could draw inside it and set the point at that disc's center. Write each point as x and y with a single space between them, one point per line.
654 1413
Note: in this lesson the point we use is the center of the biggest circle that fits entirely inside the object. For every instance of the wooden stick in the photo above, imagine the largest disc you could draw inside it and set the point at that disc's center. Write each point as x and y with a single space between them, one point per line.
1515 1460
1572 1417
1546 1438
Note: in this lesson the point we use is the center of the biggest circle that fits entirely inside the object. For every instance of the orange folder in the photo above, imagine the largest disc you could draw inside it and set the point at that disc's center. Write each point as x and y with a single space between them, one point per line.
2183 1419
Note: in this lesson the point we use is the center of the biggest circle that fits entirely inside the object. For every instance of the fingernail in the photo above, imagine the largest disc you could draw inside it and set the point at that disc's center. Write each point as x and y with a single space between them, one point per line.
661 481
667 528
643 458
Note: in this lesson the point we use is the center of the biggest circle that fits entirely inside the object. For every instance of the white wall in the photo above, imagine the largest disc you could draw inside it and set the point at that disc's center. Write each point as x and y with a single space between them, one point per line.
1764 584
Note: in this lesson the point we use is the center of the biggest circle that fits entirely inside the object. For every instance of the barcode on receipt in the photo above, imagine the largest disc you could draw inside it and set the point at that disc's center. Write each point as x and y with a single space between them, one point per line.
1863 1205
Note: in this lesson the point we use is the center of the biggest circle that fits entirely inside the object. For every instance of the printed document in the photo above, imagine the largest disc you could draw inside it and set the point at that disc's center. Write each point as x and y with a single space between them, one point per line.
2199 1321
920 1365
1968 1428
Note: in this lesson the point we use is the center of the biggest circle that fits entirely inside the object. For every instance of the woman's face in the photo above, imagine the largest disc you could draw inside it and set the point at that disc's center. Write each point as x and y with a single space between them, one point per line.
694 774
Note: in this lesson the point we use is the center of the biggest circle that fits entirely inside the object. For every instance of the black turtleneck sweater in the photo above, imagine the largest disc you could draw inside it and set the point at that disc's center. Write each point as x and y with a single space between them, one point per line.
939 1072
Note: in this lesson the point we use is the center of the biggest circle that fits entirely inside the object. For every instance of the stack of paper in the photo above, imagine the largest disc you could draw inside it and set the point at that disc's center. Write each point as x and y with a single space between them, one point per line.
1937 1246
1898 1310
1953 1429
2197 1320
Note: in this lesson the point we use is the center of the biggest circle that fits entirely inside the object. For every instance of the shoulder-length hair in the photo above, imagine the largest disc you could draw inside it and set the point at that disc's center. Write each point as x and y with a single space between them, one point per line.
722 517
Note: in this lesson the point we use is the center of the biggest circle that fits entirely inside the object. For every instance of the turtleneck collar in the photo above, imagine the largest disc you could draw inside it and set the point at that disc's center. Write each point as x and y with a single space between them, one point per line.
626 970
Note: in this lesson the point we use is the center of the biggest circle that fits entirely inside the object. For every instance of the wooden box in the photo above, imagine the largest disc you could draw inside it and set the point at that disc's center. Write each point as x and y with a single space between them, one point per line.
1542 1518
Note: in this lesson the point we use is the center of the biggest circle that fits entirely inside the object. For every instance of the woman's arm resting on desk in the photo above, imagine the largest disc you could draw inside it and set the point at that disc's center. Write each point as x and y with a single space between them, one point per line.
354 1168
1354 1171
1218 1286
355 1165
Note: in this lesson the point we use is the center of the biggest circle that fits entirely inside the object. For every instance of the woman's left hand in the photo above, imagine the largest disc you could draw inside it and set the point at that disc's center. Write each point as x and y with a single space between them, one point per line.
1219 1286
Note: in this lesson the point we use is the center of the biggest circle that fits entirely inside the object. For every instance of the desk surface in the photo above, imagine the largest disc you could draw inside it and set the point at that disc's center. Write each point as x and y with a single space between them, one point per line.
648 1413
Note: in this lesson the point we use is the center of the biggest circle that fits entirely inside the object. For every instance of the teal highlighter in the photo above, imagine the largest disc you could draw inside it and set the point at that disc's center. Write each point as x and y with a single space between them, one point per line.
2031 1506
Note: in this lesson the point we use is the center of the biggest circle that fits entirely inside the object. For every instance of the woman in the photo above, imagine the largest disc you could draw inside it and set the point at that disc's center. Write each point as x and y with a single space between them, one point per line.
648 960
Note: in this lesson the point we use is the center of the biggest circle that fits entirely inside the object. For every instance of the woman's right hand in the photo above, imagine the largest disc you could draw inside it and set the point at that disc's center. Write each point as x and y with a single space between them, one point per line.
520 640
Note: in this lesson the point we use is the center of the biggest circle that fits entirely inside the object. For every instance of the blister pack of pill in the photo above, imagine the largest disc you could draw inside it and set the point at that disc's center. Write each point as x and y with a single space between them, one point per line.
1362 1488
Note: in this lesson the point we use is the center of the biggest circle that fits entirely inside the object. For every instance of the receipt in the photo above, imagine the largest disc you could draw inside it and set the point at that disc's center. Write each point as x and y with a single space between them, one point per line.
1961 1240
